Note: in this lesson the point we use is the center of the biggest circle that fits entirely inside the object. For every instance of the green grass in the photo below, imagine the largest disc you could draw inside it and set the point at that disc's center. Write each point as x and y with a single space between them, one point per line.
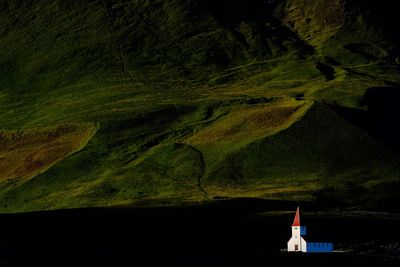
321 148
188 100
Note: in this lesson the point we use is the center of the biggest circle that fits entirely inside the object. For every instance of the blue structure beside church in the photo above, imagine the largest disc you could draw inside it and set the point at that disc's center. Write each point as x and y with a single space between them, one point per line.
303 230
319 247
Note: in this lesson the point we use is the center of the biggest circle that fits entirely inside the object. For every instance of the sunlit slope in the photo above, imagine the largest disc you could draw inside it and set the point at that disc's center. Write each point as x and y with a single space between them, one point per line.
243 125
135 163
306 151
26 153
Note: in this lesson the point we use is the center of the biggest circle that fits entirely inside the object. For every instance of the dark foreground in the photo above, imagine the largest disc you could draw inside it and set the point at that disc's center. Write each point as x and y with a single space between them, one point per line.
228 233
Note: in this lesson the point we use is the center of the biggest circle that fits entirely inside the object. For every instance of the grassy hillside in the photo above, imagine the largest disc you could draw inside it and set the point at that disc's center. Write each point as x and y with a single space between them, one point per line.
24 154
192 100
319 151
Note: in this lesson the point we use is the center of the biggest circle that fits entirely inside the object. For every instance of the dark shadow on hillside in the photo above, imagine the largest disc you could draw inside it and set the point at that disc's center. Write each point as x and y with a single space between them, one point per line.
383 13
327 70
381 119
254 24
230 12
384 114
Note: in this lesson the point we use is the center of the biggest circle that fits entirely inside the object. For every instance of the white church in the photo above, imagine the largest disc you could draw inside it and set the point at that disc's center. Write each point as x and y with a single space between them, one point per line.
297 242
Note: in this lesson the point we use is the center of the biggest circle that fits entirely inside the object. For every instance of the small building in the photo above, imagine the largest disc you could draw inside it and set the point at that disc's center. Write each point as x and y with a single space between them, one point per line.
297 242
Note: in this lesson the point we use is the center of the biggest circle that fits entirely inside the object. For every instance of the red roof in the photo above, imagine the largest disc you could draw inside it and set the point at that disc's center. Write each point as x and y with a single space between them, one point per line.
296 221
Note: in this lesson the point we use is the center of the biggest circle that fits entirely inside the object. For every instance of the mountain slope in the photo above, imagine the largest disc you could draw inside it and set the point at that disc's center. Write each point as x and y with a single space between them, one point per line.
188 96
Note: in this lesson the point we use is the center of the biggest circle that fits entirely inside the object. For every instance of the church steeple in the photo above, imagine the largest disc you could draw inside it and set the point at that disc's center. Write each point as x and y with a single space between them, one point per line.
296 221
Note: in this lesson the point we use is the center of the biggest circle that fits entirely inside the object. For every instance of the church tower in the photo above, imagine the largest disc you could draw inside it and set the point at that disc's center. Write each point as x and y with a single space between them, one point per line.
297 243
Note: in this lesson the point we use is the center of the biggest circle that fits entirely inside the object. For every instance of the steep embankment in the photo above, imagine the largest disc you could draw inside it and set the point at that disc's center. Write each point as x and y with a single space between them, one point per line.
194 99
320 150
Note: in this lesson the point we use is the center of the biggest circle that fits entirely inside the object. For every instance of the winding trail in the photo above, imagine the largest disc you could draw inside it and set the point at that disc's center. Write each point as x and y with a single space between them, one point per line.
202 167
